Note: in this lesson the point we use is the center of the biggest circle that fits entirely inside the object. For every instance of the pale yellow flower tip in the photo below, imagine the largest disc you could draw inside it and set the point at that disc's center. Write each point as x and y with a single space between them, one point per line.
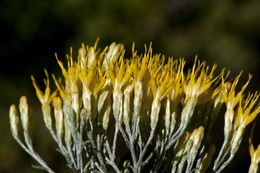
14 120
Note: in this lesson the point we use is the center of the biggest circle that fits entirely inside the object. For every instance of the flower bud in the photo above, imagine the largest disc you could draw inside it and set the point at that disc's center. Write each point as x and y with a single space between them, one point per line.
167 116
193 146
23 108
196 137
58 114
82 56
86 98
138 95
126 114
46 111
91 56
14 120
117 104
113 53
101 100
156 105
106 118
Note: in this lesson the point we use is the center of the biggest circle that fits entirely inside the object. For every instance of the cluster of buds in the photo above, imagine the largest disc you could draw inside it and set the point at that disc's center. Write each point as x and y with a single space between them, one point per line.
161 115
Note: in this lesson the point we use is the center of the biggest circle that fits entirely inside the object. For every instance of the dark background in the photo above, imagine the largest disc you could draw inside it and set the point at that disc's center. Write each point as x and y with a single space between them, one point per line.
223 32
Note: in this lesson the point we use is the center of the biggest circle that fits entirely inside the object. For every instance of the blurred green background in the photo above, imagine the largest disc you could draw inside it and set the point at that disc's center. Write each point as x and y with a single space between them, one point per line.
222 32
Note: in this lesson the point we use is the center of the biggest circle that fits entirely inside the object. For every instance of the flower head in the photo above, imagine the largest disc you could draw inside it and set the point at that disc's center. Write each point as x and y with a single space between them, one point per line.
152 101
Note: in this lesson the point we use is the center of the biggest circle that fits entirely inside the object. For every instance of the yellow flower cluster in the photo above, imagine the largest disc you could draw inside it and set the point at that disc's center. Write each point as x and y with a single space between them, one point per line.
144 88
98 70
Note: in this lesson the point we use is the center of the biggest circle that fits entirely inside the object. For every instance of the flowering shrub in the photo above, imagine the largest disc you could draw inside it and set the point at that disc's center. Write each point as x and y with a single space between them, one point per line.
143 114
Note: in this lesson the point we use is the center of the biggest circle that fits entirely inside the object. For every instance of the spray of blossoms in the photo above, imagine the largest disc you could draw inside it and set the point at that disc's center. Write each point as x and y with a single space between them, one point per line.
146 113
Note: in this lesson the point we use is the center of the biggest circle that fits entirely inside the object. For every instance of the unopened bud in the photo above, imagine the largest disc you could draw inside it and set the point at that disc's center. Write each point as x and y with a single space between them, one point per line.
197 136
23 108
58 114
86 98
138 95
14 120
82 56
106 118
113 53
46 111
167 116
101 100
195 142
126 115
156 105
117 104
91 56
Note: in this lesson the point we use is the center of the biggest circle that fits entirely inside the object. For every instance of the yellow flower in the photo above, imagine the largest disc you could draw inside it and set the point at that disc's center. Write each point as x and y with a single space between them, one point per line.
47 96
230 96
166 79
45 99
255 157
152 102
247 112
199 79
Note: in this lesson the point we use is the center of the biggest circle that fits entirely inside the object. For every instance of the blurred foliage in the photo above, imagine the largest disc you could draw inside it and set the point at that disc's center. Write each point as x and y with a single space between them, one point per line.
222 32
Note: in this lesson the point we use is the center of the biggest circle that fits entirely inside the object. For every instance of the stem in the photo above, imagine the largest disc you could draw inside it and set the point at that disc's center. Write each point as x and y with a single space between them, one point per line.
34 155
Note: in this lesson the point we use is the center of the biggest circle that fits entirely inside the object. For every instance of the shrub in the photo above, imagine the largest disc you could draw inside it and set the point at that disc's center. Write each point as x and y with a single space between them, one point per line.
143 114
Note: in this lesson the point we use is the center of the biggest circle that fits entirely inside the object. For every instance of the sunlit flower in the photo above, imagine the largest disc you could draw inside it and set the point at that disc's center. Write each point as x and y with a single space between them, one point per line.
151 103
